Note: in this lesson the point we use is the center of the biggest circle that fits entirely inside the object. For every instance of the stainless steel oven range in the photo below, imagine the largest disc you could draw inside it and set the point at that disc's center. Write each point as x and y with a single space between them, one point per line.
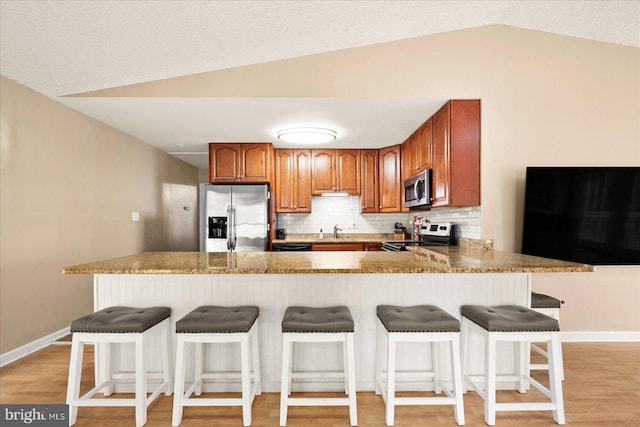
431 234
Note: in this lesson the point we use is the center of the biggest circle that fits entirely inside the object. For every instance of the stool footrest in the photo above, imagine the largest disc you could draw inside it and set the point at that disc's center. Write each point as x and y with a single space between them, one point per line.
317 374
526 406
86 399
318 401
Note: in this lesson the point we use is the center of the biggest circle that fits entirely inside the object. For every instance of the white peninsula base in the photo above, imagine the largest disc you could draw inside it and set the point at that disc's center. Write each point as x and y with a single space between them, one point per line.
272 293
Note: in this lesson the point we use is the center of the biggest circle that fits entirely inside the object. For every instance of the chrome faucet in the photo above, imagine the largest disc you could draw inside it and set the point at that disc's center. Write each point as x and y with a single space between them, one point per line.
335 231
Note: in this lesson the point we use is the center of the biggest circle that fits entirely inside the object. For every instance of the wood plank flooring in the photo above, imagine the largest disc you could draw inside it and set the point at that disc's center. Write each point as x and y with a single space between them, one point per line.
601 388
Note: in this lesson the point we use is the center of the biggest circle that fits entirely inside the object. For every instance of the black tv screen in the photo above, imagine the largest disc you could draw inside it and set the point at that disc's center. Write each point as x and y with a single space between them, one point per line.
589 215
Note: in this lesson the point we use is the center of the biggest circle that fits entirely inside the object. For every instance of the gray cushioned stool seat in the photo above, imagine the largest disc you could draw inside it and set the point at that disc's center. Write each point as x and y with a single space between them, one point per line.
214 319
317 319
509 318
544 301
121 320
418 318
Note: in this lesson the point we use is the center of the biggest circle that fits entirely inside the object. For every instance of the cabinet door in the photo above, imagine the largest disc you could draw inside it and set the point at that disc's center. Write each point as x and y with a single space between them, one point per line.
223 163
284 181
348 171
301 181
441 172
424 145
372 246
336 247
322 179
390 186
406 172
255 166
369 197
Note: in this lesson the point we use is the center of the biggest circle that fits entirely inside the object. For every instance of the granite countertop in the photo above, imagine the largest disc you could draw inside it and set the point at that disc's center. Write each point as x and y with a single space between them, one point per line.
451 259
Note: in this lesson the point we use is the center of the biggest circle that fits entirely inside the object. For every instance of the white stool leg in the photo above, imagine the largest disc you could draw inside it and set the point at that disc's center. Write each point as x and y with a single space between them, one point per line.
179 382
197 367
245 370
391 378
520 359
490 380
465 332
351 372
255 351
141 382
75 375
435 347
457 379
555 378
166 361
284 381
379 358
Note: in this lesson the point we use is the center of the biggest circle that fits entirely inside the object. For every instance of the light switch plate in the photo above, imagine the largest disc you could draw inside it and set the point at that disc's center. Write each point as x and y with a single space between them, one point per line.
135 216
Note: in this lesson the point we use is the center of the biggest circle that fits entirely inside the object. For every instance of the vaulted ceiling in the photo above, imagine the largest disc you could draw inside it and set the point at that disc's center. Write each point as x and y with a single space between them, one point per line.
61 48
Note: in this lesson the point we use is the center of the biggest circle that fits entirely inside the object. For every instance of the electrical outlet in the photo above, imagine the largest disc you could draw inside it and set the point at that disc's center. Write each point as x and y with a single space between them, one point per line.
379 224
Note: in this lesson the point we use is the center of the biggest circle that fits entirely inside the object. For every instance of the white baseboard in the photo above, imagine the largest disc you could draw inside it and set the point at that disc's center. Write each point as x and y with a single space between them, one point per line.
600 336
33 346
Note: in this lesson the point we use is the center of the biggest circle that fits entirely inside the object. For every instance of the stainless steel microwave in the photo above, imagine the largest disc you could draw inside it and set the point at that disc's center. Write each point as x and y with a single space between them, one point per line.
417 190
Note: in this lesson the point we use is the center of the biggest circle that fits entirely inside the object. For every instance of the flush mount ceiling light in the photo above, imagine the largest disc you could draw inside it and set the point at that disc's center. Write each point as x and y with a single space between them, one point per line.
307 135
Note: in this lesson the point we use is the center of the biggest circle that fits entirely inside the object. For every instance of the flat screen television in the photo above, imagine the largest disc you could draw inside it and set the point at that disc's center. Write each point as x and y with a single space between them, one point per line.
588 215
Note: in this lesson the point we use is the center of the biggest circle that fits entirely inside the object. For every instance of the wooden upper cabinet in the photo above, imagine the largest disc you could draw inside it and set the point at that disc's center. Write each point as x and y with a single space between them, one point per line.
456 154
424 146
390 184
240 162
369 196
323 171
335 171
348 171
293 181
417 150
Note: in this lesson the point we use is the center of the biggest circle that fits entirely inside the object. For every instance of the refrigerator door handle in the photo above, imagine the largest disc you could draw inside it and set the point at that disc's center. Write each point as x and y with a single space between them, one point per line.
235 237
229 227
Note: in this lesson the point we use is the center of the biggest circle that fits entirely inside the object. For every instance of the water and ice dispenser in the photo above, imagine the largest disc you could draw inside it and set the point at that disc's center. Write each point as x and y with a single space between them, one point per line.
217 227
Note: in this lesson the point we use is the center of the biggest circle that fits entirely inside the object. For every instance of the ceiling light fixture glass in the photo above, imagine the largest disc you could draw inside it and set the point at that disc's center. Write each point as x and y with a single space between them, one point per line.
307 135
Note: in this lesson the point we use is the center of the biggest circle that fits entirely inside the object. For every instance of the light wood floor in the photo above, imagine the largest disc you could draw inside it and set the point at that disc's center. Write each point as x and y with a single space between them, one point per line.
601 388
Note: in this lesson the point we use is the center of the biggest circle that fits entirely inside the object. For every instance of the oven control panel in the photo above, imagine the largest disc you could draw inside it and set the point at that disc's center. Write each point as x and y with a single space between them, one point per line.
440 229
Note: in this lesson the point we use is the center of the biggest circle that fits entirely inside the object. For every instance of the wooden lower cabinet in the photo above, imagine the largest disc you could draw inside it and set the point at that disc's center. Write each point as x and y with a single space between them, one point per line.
372 246
358 247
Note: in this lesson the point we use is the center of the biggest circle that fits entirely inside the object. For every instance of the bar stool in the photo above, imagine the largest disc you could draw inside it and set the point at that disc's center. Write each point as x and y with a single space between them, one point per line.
319 325
117 325
421 323
520 325
550 306
216 325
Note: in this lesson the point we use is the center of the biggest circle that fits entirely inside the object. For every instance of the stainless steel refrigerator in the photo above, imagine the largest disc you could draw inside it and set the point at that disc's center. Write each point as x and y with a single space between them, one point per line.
234 217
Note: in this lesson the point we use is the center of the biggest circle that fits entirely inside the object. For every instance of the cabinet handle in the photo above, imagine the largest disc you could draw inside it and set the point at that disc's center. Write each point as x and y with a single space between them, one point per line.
294 206
380 207
363 207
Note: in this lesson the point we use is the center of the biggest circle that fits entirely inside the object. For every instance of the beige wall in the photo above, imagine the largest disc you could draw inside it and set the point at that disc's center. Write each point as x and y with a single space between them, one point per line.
546 100
68 186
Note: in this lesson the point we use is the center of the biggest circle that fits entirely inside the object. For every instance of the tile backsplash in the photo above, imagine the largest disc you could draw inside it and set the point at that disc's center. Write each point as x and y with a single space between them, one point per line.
345 211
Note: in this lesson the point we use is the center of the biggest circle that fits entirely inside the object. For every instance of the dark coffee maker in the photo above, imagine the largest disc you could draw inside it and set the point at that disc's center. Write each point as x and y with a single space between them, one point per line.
280 234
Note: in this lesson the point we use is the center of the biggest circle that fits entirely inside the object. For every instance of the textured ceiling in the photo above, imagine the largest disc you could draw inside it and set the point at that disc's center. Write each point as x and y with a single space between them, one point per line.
65 47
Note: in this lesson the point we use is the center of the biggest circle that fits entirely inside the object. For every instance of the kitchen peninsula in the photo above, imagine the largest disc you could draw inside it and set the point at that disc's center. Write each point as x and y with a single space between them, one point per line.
444 276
